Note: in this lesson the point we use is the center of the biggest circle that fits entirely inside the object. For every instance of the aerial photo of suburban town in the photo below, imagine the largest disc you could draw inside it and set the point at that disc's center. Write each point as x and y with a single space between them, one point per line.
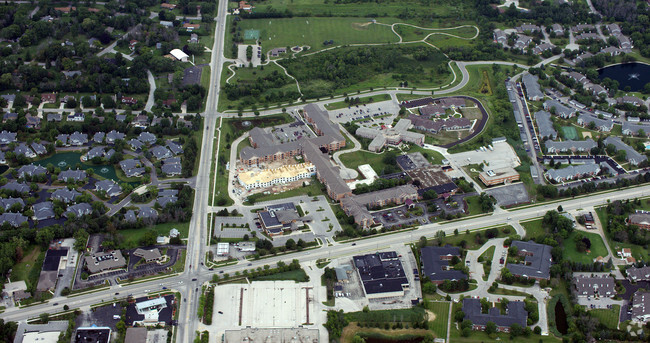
324 171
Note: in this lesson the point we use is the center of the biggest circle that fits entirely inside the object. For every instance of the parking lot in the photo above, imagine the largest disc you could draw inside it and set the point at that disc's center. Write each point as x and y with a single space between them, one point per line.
510 195
400 216
368 114
291 132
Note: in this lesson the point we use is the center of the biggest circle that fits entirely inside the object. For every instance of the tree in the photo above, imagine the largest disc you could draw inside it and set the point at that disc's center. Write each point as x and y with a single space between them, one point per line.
44 317
459 316
290 244
490 328
81 238
516 330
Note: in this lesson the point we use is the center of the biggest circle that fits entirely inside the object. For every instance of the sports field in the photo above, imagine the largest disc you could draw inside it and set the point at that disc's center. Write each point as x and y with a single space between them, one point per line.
569 132
313 32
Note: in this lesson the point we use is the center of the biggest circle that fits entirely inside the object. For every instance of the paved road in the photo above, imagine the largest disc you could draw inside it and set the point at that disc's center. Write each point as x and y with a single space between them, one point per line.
152 89
188 320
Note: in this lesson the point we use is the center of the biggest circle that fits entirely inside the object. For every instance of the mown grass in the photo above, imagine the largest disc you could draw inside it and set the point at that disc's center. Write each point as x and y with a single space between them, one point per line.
313 31
133 236
597 248
440 323
608 317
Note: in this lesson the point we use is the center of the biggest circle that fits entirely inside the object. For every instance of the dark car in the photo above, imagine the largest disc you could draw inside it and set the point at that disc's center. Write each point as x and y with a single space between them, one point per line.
193 279
501 260
117 293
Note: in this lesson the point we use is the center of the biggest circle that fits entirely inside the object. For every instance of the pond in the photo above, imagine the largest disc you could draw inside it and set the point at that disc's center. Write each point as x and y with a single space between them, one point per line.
635 75
65 160
560 318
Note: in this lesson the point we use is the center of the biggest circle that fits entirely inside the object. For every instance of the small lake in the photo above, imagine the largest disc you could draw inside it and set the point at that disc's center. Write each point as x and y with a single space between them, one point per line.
635 75
560 318
70 160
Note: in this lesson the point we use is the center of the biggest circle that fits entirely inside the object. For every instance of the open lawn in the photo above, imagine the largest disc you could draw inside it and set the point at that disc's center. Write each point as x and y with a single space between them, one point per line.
313 31
295 275
597 248
638 251
20 270
361 101
608 317
470 239
410 33
133 236
533 228
441 311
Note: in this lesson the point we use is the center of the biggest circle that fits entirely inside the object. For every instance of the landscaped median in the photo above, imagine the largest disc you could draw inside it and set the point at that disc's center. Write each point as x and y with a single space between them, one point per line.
282 271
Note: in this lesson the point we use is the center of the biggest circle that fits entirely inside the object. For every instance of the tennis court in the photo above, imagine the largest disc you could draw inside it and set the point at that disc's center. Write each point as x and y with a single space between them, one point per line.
252 34
569 132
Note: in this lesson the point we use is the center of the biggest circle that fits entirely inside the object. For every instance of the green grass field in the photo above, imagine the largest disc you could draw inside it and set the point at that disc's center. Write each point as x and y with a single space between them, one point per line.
439 324
638 251
313 31
569 132
608 317
362 100
20 270
410 33
132 236
355 159
597 248
295 275
533 228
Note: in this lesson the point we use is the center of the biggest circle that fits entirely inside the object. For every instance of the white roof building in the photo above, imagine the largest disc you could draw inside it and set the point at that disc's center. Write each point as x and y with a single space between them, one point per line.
223 249
179 55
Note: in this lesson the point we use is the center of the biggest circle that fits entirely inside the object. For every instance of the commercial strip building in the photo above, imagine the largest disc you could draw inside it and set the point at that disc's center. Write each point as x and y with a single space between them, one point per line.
537 261
515 314
276 176
103 261
277 218
223 249
381 274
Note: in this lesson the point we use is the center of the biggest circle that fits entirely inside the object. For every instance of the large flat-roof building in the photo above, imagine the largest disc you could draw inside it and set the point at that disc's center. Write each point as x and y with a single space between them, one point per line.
275 335
381 274
357 205
537 261
640 219
276 218
276 176
103 261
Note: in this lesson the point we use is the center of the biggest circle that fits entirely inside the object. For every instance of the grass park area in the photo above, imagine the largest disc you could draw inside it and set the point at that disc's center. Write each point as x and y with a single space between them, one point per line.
355 159
597 248
313 31
608 317
361 101
533 228
569 132
29 262
439 310
638 252
470 238
133 236
295 275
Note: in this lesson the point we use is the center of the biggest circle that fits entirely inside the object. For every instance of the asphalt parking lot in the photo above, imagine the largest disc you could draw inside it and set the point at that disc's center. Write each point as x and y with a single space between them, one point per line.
510 195
366 112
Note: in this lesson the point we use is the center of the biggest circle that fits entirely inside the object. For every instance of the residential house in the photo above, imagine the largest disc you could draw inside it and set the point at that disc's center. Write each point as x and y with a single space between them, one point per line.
43 210
65 195
109 187
79 210
559 109
24 150
17 187
132 168
638 274
113 136
147 213
160 152
632 155
31 170
39 148
48 98
174 147
500 37
603 125
533 91
557 29
54 117
13 219
78 139
602 286
573 172
545 125
72 175
147 138
632 100
515 314
7 137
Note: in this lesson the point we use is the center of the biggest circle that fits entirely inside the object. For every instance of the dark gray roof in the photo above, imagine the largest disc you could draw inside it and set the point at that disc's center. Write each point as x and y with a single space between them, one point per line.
135 144
601 124
538 260
43 210
632 155
109 186
31 170
175 147
147 212
435 268
74 175
6 203
586 145
533 90
63 138
7 137
600 285
560 109
39 148
171 169
129 216
78 138
24 150
515 313
113 135
65 195
545 125
16 186
79 210
147 137
98 137
379 275
14 219
638 274
160 152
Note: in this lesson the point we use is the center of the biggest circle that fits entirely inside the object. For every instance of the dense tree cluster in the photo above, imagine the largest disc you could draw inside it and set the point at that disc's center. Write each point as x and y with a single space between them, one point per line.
617 227
264 89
